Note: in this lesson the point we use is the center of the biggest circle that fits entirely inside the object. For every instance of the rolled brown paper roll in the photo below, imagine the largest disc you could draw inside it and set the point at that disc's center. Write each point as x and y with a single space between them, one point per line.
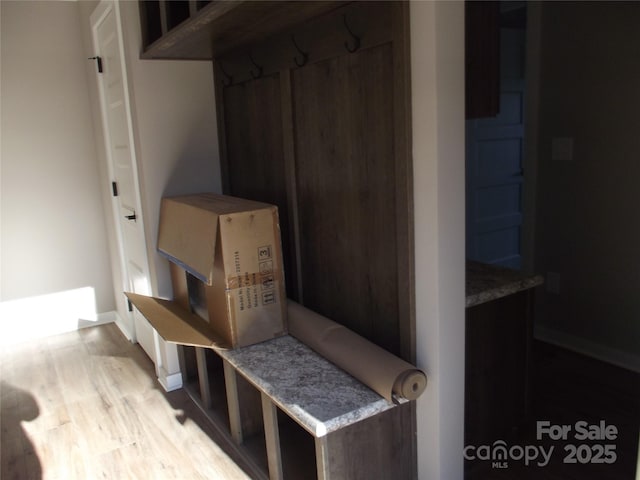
381 371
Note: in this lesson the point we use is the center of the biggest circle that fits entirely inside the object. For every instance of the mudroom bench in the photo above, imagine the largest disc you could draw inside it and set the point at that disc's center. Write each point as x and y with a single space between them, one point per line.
316 420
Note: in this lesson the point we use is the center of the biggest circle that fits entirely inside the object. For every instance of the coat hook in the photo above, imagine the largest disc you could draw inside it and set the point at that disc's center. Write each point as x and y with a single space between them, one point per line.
228 79
98 62
305 55
255 75
356 39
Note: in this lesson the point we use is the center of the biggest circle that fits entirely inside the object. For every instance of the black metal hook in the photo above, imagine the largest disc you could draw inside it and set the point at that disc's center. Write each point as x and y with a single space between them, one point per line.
255 75
356 39
305 55
98 62
228 79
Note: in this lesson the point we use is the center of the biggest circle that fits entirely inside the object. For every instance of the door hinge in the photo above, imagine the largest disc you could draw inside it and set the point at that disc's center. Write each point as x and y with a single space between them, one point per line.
98 62
129 305
114 188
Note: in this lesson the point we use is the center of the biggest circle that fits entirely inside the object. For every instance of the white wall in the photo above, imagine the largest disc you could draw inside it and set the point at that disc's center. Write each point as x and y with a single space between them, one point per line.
437 65
176 135
175 132
586 228
177 144
52 227
55 187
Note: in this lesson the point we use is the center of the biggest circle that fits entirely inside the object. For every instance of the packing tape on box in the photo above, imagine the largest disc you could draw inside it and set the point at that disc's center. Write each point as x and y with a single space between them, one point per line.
384 373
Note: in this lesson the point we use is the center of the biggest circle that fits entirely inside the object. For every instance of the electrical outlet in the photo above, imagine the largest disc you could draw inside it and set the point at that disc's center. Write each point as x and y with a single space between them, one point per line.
553 282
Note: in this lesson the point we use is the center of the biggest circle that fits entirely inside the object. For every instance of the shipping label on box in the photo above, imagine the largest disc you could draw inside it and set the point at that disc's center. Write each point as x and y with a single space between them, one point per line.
252 261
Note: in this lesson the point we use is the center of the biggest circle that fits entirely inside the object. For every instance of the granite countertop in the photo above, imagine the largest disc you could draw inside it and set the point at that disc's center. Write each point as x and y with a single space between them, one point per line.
321 397
490 282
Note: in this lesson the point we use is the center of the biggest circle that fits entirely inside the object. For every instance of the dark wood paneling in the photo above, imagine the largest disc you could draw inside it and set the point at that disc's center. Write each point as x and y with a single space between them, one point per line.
219 26
338 106
288 132
482 57
320 40
402 139
498 336
255 156
357 452
345 174
341 124
150 21
177 12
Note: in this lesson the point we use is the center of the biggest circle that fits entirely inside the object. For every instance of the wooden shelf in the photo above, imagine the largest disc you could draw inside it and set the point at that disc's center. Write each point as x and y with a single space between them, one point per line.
327 427
200 30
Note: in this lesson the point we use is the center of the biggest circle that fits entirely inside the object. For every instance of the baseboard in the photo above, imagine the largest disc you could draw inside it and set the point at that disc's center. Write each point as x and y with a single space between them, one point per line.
587 347
30 319
170 382
124 328
102 319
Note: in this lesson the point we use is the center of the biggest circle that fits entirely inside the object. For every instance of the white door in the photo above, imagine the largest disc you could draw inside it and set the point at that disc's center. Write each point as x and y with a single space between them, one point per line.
119 145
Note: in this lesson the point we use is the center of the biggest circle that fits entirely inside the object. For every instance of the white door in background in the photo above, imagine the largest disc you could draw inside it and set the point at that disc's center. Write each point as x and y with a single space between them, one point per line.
120 152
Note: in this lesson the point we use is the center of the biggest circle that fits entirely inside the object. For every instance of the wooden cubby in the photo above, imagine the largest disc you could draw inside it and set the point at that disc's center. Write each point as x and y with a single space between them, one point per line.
314 421
150 21
298 449
200 4
209 392
201 30
177 12
286 75
284 435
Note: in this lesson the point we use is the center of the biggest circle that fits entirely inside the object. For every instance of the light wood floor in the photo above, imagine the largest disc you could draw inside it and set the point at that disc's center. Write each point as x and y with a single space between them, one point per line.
87 405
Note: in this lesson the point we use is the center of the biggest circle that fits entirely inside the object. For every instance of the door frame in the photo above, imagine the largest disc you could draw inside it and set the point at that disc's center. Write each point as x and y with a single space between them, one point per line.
126 324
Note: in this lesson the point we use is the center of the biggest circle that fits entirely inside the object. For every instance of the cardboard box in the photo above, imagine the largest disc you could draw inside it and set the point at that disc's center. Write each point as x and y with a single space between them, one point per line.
230 250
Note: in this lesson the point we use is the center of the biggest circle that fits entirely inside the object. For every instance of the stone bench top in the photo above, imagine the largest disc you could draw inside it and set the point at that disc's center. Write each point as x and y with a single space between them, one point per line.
317 394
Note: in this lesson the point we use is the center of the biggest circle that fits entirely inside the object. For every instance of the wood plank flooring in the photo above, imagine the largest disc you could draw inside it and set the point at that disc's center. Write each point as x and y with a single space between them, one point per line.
87 405
567 388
